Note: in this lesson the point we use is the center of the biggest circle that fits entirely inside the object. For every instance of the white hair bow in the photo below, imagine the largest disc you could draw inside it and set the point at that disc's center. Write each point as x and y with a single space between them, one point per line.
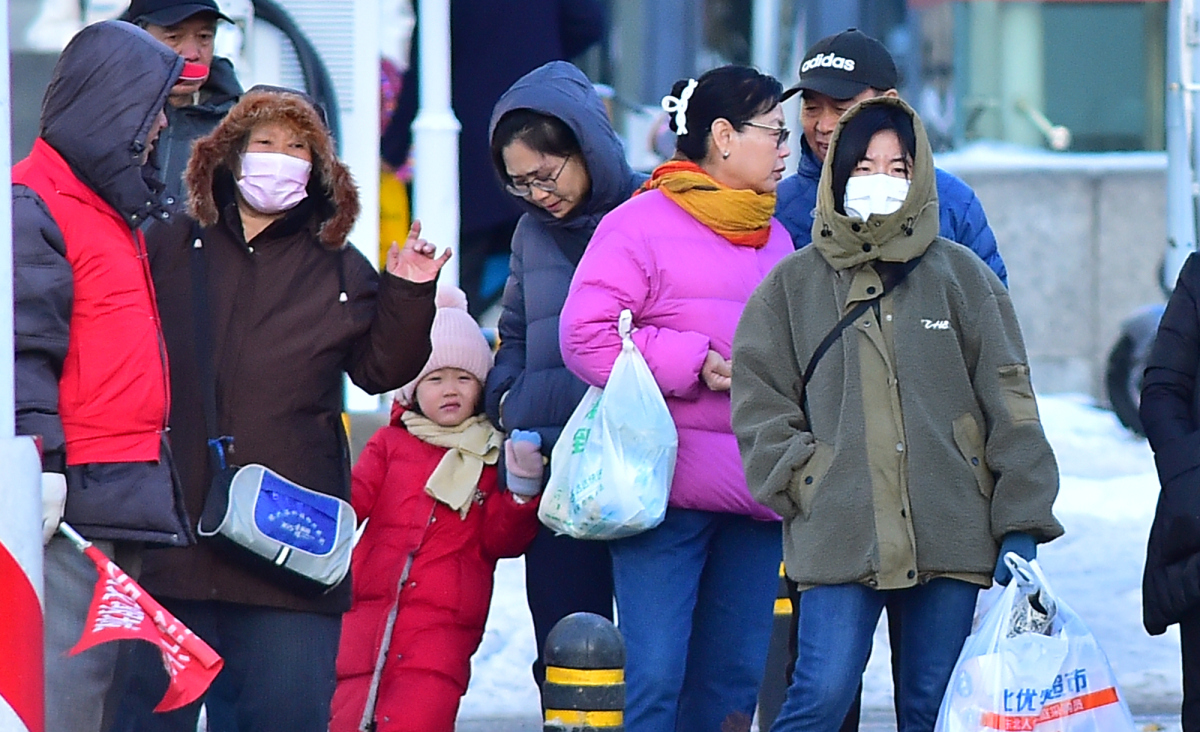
678 106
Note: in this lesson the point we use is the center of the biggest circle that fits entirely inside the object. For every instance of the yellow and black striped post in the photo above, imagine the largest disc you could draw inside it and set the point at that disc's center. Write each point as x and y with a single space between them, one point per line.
585 676
775 680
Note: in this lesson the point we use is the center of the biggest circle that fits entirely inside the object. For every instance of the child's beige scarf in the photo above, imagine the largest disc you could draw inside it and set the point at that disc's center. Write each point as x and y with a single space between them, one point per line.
472 444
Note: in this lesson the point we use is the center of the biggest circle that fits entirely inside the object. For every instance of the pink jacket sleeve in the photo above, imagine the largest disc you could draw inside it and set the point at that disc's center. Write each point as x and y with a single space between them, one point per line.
617 273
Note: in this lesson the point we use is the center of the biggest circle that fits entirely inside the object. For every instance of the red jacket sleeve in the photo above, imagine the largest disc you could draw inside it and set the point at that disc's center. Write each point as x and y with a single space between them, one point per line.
368 475
508 526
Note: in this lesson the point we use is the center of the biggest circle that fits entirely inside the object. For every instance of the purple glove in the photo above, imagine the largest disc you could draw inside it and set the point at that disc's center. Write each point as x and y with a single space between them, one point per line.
523 462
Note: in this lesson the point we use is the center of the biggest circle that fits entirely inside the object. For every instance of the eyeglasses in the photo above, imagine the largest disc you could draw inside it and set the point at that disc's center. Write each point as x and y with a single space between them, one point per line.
548 185
781 133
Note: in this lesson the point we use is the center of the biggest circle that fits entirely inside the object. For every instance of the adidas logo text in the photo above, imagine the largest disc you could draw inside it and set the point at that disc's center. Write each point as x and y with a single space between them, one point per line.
827 60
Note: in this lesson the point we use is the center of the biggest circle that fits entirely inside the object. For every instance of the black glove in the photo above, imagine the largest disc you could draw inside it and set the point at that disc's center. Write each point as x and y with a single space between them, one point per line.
1019 543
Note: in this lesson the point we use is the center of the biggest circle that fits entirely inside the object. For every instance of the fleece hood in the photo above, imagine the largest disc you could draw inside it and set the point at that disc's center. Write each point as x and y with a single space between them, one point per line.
847 241
215 157
561 90
109 85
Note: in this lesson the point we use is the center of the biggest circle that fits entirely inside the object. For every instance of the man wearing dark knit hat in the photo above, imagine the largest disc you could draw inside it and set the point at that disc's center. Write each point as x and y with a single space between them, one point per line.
838 72
198 104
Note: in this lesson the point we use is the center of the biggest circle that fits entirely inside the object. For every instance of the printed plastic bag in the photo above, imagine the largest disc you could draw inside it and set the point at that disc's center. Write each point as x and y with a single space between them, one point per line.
611 469
1032 664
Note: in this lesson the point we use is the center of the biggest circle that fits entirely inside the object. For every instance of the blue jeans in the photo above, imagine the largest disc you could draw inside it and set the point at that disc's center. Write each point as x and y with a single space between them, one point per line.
695 600
837 623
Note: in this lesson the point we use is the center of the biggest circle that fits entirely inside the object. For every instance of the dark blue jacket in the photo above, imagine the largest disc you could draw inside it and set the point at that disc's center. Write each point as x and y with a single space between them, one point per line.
529 368
1170 412
960 213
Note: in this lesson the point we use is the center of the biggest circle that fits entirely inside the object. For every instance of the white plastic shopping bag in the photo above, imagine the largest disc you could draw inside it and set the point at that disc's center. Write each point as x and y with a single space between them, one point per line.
611 469
1032 664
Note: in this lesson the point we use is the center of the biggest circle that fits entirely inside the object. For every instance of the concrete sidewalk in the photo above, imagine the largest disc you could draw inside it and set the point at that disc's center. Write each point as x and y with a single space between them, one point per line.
499 724
870 723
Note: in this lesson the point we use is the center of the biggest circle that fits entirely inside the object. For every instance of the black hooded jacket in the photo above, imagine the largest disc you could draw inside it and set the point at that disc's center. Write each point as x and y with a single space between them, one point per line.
541 392
109 86
110 83
1170 412
189 123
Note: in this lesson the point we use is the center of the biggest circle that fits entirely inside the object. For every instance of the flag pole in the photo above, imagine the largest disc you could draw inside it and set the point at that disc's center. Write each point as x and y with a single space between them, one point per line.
121 610
66 530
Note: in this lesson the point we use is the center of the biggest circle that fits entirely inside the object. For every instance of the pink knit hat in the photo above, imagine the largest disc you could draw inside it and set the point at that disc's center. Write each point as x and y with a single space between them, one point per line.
457 343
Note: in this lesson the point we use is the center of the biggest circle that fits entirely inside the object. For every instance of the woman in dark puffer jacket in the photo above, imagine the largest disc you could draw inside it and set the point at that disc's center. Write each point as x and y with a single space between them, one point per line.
1170 412
557 154
293 308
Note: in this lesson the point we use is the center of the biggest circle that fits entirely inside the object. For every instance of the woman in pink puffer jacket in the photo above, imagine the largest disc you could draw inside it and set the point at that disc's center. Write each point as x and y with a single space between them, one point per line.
695 594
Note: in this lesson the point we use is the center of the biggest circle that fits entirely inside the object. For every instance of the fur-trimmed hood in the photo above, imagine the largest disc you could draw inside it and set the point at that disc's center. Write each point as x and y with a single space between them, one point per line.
331 185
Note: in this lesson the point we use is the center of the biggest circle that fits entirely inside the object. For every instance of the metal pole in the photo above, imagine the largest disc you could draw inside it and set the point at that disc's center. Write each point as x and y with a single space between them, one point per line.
1180 112
1021 61
435 137
22 674
7 393
764 39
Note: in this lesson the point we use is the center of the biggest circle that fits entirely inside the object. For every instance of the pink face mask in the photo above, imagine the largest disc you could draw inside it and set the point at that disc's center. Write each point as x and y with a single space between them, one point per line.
273 182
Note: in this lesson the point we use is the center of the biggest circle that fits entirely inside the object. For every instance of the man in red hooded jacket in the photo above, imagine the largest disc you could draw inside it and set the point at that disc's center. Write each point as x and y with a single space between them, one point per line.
91 369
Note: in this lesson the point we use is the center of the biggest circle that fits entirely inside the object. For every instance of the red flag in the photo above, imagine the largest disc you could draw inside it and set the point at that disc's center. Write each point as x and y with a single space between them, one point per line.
121 609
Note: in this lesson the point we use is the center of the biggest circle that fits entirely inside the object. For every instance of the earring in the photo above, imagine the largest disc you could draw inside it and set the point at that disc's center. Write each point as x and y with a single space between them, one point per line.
725 154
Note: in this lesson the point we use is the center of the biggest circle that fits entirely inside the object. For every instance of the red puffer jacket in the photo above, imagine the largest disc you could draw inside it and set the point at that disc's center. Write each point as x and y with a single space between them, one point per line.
445 600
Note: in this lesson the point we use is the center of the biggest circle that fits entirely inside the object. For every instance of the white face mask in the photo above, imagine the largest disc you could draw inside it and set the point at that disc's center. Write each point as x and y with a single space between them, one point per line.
874 194
273 182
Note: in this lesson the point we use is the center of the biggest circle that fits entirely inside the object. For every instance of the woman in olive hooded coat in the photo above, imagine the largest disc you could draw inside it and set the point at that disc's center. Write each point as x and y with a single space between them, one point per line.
914 456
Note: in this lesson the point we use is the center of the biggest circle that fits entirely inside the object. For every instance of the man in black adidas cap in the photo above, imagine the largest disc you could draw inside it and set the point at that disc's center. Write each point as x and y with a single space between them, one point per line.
197 104
838 72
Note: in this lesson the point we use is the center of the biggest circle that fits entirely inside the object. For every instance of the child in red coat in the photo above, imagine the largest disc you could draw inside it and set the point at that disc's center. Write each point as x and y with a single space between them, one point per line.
438 523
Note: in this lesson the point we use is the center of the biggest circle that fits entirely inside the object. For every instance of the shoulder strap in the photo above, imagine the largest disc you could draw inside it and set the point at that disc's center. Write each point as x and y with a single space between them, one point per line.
891 274
201 321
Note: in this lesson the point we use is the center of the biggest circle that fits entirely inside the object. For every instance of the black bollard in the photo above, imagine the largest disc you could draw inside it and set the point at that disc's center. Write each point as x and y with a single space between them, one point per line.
585 676
775 681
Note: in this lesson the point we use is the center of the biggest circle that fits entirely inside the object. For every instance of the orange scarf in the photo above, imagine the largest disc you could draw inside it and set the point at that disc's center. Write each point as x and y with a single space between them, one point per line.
739 215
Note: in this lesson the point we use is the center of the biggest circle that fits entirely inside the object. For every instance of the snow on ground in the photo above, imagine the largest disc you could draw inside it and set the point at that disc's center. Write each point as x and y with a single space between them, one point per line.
1106 503
988 155
501 676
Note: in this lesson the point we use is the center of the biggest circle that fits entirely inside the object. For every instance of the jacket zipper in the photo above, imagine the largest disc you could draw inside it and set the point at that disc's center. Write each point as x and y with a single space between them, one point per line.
251 267
143 257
